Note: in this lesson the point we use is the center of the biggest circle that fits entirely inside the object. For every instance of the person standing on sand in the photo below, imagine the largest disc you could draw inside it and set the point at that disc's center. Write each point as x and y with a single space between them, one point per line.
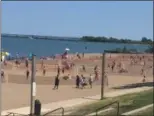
63 70
142 70
5 62
77 81
113 65
90 81
108 65
44 71
2 75
56 82
144 76
131 62
78 56
16 62
58 70
144 63
83 68
27 74
26 63
96 72
82 82
143 73
42 63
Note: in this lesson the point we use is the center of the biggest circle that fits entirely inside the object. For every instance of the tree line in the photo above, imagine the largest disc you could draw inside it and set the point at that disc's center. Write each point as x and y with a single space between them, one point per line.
144 40
150 49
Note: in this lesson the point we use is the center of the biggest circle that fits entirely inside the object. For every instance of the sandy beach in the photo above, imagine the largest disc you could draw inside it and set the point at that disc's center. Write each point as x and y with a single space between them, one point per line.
16 88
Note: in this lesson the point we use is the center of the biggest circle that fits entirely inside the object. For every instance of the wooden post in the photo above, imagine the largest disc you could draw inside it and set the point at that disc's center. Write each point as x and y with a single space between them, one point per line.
103 74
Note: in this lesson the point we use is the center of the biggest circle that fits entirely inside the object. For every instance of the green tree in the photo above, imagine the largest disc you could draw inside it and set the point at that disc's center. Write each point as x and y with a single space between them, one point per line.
144 39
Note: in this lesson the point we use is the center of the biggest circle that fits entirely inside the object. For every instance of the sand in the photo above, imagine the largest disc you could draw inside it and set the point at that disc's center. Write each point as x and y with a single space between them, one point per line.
16 91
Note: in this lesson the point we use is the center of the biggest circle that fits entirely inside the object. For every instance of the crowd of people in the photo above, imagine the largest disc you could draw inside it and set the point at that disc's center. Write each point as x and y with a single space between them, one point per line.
81 81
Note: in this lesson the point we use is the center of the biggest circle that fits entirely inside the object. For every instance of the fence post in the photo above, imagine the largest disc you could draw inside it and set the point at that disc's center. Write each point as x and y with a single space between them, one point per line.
118 110
103 71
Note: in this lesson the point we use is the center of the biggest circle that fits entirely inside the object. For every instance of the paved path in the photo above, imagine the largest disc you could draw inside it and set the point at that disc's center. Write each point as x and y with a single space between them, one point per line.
137 110
77 101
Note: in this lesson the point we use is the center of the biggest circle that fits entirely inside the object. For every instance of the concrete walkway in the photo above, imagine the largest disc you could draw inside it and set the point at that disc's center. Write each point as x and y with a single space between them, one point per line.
137 110
75 102
102 111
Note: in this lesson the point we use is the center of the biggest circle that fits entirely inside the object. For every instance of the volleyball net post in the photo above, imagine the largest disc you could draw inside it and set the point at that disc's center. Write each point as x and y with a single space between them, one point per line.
103 75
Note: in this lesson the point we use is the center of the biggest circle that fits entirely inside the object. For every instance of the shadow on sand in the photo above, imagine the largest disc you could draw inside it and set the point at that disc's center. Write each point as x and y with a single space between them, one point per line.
135 85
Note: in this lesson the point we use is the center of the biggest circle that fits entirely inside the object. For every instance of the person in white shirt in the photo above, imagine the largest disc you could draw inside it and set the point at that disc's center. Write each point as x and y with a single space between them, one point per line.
90 80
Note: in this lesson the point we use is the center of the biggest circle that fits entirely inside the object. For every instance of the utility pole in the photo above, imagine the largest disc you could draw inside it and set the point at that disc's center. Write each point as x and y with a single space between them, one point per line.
1 82
103 75
33 86
1 85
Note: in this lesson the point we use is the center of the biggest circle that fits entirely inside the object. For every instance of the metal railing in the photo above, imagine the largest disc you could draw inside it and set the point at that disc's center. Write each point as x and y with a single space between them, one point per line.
50 112
116 102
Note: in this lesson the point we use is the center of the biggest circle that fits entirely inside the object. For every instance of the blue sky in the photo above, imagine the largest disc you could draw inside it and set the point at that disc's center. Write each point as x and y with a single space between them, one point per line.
131 20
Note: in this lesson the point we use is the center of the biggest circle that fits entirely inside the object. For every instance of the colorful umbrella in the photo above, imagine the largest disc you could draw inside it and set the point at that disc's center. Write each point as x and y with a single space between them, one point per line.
5 53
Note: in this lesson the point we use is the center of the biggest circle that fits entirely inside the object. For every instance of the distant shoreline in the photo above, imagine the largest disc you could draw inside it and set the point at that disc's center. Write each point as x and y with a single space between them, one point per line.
74 39
40 37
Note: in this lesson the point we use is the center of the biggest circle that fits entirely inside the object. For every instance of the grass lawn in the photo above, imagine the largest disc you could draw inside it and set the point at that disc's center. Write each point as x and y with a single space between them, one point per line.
127 103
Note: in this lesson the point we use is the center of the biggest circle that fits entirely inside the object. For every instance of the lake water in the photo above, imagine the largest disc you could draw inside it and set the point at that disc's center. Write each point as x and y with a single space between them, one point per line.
50 47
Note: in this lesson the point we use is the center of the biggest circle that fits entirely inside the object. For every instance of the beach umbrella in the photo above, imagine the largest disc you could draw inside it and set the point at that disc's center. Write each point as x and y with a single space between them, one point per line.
67 49
5 53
